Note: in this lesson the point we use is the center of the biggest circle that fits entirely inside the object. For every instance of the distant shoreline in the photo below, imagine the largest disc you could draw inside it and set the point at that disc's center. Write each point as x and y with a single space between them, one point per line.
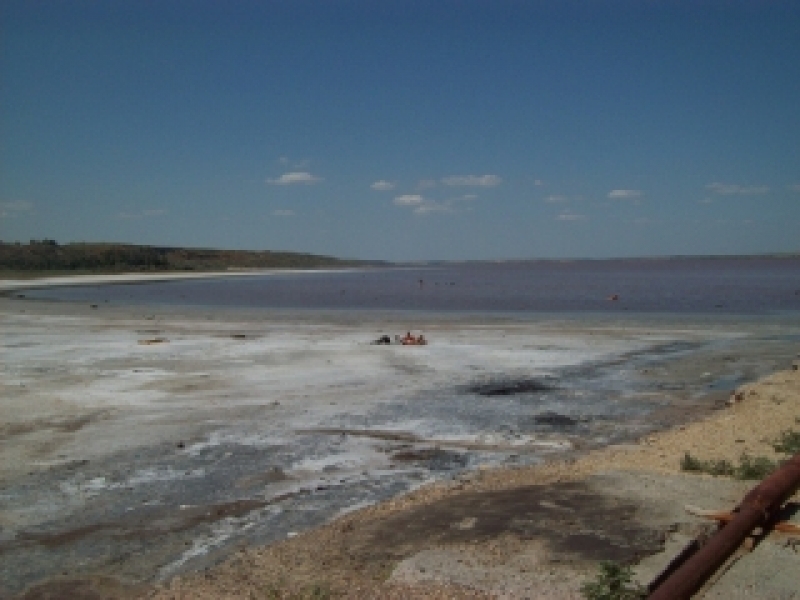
10 285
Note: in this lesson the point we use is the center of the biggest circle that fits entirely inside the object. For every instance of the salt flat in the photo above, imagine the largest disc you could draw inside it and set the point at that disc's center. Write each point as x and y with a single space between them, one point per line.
139 442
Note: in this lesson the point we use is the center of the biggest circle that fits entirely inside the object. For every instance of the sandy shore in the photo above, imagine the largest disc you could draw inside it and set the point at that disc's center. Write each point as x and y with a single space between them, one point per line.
8 285
91 410
431 543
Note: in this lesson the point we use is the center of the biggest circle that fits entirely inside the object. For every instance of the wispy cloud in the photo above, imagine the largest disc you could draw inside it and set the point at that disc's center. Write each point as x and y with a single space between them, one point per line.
624 194
409 200
295 177
148 213
426 184
422 206
473 180
730 189
556 199
15 208
382 186
283 212
568 215
294 164
432 207
538 182
795 187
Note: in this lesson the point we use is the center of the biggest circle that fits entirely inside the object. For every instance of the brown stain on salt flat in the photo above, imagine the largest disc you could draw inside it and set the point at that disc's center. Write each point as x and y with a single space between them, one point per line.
143 525
63 425
576 523
91 588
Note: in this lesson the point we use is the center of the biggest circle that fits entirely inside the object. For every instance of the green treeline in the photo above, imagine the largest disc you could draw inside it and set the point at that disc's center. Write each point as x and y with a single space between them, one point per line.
48 255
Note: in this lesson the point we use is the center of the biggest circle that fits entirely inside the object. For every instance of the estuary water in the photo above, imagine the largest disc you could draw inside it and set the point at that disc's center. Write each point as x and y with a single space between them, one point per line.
684 285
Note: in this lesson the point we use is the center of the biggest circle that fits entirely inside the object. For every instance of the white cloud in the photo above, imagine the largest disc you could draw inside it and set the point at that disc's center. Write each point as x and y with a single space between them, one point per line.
283 212
570 216
556 199
147 213
729 189
473 180
423 206
382 186
17 206
432 207
538 182
409 200
303 177
624 194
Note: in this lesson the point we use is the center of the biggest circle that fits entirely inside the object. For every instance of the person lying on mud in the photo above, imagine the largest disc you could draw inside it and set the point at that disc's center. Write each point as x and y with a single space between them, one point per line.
410 340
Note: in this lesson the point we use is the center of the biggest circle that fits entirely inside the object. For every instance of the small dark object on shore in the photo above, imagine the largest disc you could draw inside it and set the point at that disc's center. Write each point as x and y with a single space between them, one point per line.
509 387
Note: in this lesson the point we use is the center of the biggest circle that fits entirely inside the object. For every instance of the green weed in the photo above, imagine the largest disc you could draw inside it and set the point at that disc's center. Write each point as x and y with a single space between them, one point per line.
748 468
614 582
788 443
712 467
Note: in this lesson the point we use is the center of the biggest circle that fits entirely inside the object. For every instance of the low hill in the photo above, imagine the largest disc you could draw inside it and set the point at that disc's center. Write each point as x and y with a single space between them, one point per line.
48 255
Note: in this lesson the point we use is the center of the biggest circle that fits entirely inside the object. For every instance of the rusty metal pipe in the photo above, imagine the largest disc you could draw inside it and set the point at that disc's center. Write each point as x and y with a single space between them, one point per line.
757 509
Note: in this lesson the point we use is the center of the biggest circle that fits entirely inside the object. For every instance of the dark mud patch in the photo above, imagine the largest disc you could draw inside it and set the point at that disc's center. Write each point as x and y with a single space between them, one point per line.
146 524
509 387
576 523
271 475
95 588
555 420
378 434
435 459
62 425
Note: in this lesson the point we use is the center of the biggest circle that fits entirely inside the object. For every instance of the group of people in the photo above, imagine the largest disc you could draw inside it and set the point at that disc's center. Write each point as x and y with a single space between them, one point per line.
406 340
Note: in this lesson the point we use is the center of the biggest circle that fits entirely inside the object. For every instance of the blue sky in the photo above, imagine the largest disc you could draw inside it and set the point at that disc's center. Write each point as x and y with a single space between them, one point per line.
404 130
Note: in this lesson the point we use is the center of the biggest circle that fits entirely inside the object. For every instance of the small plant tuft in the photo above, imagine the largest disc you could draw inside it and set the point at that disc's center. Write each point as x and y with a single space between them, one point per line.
614 582
754 468
788 443
712 467
748 468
